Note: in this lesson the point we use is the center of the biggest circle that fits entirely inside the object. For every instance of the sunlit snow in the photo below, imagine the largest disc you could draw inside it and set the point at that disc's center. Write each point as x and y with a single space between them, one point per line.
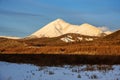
13 71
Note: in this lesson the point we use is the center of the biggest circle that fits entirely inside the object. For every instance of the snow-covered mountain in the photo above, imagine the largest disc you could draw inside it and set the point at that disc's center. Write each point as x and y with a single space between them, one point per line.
60 27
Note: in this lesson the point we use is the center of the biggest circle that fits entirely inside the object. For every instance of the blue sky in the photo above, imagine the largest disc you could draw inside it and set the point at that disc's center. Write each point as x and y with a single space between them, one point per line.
23 17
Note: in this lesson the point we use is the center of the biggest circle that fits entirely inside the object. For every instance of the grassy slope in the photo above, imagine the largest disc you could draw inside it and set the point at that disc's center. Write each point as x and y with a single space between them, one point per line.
109 45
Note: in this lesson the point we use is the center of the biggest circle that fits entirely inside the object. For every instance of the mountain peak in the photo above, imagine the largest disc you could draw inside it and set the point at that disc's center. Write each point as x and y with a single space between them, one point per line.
59 27
87 24
59 20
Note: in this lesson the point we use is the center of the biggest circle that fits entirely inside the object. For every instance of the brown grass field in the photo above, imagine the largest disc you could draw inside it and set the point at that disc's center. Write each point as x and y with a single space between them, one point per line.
108 45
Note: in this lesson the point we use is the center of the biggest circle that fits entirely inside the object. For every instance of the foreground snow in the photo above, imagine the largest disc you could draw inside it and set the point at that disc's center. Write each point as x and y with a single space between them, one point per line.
12 71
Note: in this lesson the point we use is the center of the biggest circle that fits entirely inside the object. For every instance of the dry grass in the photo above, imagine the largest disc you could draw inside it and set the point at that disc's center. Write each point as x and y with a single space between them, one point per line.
90 48
101 46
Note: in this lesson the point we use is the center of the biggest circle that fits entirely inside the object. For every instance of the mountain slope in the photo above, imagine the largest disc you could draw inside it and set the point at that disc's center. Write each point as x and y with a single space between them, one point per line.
59 41
53 29
87 29
60 27
113 36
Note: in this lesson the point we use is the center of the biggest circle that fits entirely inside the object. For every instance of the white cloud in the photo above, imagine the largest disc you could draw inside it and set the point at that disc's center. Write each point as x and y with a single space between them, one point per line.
104 28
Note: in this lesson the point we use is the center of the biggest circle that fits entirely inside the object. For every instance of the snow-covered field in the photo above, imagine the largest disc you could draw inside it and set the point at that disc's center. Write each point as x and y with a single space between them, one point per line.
13 71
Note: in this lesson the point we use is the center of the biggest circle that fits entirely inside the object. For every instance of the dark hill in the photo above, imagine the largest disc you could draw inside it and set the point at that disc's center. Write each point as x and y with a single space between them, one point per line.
113 36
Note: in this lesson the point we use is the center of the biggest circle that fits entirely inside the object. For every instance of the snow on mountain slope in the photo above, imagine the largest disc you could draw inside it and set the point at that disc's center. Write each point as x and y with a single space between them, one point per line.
108 32
87 29
72 37
53 29
60 27
9 37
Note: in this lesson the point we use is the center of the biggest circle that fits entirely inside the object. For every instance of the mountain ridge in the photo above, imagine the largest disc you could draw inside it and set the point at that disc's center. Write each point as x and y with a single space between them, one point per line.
60 27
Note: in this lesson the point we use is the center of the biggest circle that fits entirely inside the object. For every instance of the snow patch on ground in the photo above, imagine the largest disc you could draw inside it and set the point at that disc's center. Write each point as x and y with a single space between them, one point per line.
89 39
80 38
67 39
69 36
12 71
